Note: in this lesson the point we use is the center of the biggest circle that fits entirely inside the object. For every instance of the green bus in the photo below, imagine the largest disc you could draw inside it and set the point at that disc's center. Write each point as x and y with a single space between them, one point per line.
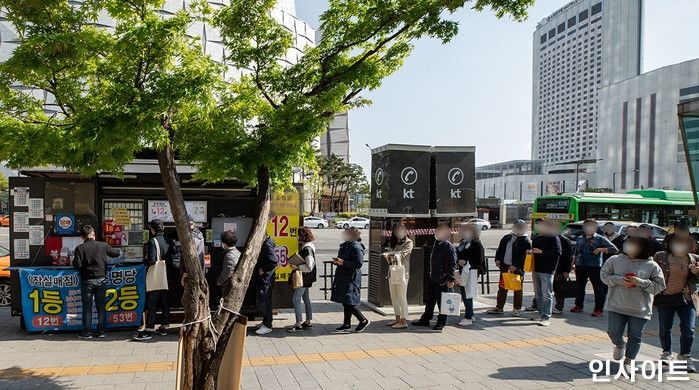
660 207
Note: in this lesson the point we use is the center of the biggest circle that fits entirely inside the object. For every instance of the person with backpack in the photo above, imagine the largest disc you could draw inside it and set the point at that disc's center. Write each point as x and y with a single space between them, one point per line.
308 271
401 248
590 249
231 256
680 297
546 247
263 281
470 256
509 257
158 259
347 282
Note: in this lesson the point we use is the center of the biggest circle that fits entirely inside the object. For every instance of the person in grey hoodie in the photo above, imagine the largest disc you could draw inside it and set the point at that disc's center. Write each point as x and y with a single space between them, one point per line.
633 279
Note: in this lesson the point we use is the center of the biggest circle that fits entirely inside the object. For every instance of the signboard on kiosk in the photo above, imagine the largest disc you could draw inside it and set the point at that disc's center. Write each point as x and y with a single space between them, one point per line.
283 227
51 298
379 184
454 180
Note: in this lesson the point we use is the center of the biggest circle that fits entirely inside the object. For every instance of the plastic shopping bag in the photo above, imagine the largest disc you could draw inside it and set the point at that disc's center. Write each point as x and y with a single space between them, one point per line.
469 281
451 304
529 262
512 282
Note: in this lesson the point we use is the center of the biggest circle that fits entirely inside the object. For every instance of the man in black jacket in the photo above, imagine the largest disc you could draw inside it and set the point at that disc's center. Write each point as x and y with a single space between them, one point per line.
565 265
89 260
442 269
509 257
546 247
263 280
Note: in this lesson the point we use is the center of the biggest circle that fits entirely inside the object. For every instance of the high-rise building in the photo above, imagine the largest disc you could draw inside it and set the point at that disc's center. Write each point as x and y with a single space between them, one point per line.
578 49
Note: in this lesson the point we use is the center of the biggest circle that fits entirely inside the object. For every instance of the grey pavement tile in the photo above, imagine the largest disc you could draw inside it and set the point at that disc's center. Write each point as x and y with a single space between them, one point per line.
147 377
116 379
160 385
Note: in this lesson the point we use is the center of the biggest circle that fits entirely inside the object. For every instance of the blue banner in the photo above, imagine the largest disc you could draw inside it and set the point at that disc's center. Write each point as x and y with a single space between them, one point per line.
51 298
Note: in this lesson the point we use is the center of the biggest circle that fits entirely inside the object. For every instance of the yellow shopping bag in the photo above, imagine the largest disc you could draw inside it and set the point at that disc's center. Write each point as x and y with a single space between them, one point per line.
529 262
512 282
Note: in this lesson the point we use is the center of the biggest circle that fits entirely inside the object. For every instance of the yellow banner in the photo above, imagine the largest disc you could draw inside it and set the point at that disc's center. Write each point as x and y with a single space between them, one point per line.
283 227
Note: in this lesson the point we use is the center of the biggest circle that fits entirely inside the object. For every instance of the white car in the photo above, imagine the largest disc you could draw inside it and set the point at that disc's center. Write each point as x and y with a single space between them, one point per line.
357 222
481 223
315 222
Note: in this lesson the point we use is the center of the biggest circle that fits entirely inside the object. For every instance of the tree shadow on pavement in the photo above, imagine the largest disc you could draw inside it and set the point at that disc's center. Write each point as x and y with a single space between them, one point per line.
558 372
18 378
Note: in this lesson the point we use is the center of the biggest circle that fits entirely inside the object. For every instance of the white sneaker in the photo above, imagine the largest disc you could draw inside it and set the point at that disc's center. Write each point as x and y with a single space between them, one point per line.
263 330
556 311
515 313
691 368
544 322
466 322
618 352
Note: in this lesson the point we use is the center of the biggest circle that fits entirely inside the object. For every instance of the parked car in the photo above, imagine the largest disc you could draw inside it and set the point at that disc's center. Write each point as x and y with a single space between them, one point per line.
574 230
481 223
658 232
357 222
4 277
315 222
4 220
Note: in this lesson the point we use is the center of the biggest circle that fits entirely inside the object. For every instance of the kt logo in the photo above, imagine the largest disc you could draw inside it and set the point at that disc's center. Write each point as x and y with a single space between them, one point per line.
456 177
408 176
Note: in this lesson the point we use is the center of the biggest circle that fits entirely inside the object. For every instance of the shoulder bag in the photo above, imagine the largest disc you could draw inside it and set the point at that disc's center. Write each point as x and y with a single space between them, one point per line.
156 276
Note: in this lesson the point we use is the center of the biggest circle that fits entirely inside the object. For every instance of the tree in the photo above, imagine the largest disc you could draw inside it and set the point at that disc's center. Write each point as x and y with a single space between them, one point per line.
339 178
147 84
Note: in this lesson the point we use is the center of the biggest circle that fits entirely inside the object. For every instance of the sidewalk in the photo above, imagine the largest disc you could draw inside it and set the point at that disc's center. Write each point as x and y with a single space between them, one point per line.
499 352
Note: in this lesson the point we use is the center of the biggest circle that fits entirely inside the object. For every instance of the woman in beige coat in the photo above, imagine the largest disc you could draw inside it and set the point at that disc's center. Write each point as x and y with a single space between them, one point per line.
399 255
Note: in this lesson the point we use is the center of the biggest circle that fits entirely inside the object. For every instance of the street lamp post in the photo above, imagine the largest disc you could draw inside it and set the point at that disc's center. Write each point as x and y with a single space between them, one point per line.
614 178
577 168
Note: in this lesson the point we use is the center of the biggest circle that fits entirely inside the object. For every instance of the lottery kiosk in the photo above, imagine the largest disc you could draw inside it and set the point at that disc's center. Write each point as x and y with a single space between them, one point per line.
49 205
421 186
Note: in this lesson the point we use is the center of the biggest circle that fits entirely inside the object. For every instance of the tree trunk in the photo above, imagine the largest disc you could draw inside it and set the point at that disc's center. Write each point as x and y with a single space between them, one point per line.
198 344
243 273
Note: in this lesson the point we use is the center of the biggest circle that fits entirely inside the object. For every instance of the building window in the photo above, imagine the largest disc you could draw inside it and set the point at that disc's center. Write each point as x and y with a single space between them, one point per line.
552 33
571 22
543 38
582 16
597 8
561 27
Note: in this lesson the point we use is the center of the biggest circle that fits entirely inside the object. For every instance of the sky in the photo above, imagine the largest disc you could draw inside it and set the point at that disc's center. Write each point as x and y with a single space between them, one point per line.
476 90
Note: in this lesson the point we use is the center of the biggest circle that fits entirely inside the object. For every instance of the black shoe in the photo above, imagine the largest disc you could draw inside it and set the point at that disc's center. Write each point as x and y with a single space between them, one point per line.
345 328
143 336
295 328
421 323
162 331
306 325
102 334
362 325
85 335
438 327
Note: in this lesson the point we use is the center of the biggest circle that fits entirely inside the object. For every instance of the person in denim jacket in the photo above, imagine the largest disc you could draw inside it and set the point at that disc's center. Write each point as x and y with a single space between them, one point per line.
590 249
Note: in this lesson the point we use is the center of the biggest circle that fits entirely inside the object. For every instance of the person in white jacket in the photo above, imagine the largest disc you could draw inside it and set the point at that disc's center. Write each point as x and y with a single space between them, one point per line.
308 252
399 255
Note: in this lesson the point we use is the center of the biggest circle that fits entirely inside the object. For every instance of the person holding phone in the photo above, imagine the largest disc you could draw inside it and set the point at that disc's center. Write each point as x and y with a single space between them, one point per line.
442 271
347 282
633 279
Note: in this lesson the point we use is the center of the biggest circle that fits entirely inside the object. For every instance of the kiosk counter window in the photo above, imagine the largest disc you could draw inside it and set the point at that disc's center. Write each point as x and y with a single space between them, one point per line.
122 227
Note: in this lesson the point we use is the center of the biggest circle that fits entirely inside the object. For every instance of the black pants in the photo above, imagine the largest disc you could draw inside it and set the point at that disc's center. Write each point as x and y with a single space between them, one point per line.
582 274
94 288
265 284
434 297
352 310
158 298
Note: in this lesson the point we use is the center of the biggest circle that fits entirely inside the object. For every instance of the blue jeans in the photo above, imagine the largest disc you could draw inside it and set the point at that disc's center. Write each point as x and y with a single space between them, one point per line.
666 317
97 289
468 304
300 294
618 323
543 289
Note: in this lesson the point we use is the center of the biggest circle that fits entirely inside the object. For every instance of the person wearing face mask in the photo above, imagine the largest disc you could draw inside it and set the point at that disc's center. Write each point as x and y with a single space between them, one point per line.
307 251
230 261
609 231
546 247
681 228
442 269
654 246
469 253
680 297
589 251
633 279
538 226
401 248
509 257
347 282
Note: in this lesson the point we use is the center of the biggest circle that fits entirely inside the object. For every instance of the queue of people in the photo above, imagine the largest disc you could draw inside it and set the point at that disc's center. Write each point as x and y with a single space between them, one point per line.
631 274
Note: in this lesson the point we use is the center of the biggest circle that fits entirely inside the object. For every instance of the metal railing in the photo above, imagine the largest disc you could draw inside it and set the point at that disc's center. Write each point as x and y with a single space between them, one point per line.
483 280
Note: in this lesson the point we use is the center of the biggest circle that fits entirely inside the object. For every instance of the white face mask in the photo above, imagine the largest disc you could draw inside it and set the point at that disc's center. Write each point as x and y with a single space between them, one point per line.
679 249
